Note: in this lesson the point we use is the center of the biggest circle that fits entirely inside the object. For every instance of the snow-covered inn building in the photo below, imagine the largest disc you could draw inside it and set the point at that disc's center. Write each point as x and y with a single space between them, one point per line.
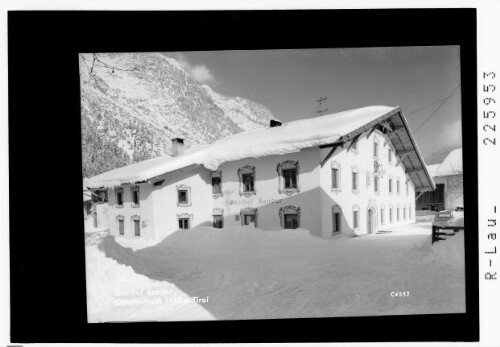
353 172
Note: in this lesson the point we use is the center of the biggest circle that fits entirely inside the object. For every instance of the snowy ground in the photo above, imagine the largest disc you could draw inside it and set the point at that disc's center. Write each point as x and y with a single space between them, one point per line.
254 274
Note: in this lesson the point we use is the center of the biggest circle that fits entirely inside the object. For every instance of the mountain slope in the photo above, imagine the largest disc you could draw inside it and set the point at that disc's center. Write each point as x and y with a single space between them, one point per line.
134 104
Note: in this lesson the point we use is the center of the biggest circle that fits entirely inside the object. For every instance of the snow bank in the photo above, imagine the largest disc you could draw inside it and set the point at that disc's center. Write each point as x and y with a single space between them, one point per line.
116 293
450 251
288 138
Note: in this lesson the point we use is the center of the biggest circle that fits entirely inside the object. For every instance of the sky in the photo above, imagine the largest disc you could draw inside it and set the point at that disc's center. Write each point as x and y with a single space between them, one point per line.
288 83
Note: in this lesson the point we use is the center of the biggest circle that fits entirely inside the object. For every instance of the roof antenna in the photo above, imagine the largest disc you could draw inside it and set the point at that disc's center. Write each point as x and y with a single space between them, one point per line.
320 104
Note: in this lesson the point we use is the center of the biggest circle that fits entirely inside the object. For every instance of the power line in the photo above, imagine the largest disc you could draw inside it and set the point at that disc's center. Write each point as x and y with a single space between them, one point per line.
427 106
437 109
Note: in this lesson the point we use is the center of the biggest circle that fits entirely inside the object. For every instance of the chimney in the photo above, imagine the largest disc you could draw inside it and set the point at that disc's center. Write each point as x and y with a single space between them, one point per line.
275 123
177 147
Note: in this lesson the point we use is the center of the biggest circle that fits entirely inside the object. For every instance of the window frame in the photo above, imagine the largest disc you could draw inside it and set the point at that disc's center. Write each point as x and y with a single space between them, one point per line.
118 192
120 219
136 220
289 210
281 168
336 210
248 211
247 169
184 188
183 216
354 179
216 174
218 212
356 215
135 189
382 214
335 165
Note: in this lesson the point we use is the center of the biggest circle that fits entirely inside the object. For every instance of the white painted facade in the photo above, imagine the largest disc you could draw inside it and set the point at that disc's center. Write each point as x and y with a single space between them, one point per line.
315 200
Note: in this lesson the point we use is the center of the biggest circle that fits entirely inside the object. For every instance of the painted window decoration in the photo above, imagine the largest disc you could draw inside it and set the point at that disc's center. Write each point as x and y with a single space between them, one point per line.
398 186
375 149
376 183
355 217
248 216
389 155
404 213
135 191
184 220
407 186
288 173
216 177
390 184
136 225
246 175
382 214
335 176
183 195
336 219
218 218
391 209
120 220
100 196
397 213
119 196
289 217
355 179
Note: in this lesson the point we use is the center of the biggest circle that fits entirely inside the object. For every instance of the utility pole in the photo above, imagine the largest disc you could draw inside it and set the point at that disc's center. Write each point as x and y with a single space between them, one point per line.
320 104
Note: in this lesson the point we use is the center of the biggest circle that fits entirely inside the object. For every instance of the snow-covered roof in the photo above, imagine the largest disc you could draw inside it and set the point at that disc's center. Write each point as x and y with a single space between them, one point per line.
288 138
432 169
451 165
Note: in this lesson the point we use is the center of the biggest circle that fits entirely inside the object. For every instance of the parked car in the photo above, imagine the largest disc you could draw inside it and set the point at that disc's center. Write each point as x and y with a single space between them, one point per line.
447 220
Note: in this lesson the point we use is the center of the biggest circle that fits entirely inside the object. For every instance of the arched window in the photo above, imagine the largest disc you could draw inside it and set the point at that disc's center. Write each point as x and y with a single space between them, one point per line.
391 215
390 184
336 219
336 176
246 175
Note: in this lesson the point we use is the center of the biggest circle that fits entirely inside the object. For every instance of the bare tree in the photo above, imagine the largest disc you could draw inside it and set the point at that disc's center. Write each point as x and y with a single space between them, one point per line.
95 62
455 182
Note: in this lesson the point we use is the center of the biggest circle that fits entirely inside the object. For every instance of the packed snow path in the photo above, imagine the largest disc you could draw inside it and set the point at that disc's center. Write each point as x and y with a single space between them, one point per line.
255 274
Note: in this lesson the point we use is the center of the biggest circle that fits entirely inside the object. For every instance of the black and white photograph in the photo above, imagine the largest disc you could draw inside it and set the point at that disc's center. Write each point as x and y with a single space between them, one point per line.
264 184
249 176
